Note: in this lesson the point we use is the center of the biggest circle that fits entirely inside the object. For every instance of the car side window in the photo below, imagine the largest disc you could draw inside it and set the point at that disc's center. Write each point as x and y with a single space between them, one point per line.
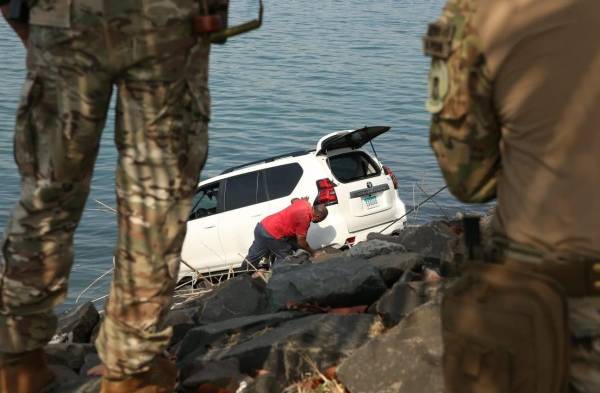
281 180
243 190
205 201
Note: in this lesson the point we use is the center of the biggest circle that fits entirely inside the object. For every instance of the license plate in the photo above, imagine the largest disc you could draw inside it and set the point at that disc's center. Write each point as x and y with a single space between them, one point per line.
370 201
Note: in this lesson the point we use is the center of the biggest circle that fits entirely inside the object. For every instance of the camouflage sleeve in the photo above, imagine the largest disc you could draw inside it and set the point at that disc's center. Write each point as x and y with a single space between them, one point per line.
464 130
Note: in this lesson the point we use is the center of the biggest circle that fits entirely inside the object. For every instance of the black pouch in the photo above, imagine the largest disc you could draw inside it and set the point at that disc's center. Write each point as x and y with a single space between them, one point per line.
505 330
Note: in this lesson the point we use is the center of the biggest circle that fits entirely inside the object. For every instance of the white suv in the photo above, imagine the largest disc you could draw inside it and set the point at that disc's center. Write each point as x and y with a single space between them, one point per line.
360 194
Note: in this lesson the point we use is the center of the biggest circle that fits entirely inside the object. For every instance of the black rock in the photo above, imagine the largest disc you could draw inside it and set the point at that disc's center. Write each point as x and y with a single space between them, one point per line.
283 268
96 330
373 247
176 317
435 241
90 361
403 298
222 374
338 283
65 380
237 297
68 355
179 332
393 266
296 259
264 384
62 373
191 303
77 325
295 347
199 340
406 359
181 322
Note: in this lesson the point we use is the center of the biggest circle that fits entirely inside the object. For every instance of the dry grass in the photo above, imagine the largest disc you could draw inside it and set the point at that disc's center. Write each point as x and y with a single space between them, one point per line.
307 385
316 382
328 386
377 328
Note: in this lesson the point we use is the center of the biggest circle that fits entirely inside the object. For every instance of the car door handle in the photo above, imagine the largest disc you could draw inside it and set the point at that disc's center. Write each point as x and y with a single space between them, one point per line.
256 215
208 227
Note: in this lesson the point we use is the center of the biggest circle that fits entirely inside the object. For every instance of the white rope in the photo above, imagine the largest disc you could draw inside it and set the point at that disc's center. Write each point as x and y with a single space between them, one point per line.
416 207
99 210
100 298
112 209
435 203
95 281
248 262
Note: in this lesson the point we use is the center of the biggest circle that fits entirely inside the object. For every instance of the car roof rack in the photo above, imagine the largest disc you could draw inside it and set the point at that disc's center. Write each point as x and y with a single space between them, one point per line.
265 160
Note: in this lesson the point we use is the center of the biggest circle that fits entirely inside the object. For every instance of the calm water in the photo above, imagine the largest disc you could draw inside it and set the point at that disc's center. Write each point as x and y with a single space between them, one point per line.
308 71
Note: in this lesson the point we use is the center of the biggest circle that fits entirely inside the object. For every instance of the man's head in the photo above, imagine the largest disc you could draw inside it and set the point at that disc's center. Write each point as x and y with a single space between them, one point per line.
319 213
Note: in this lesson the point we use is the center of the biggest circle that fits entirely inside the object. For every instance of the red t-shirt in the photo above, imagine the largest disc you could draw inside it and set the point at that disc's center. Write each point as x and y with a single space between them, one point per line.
292 221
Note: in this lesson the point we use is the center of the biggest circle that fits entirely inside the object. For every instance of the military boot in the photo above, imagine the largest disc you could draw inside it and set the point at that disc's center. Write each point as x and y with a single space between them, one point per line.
24 373
160 378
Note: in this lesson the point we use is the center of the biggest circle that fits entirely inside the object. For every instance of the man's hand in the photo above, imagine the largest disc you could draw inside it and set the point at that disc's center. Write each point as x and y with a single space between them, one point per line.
20 28
303 244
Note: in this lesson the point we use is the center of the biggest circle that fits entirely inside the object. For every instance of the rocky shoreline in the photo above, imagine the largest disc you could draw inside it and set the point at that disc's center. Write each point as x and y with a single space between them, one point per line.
362 320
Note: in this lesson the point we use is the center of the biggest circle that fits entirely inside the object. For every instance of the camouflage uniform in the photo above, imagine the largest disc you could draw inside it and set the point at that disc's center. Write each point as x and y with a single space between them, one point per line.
514 91
79 50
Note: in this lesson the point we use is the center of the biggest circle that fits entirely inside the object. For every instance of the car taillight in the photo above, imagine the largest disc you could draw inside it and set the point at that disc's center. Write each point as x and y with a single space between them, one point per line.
389 172
327 195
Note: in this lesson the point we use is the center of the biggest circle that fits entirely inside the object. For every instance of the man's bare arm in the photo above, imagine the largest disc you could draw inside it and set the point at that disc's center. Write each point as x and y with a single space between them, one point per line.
20 28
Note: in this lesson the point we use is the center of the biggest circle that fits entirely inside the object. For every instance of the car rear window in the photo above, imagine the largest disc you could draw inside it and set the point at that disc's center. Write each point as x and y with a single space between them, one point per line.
281 180
353 166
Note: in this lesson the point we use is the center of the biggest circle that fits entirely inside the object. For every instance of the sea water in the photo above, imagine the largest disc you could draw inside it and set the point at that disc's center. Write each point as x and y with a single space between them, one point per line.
313 67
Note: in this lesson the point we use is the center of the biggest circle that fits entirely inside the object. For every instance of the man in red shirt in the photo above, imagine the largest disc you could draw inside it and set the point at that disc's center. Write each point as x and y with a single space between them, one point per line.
277 232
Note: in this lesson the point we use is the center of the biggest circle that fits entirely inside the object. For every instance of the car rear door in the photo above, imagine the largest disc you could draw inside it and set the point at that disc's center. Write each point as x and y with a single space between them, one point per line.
366 195
349 139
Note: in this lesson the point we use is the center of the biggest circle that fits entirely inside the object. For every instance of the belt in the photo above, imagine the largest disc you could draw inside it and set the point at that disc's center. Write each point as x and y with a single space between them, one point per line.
578 278
578 275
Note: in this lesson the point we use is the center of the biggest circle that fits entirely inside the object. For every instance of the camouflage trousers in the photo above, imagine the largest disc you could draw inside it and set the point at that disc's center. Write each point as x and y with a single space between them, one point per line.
76 55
